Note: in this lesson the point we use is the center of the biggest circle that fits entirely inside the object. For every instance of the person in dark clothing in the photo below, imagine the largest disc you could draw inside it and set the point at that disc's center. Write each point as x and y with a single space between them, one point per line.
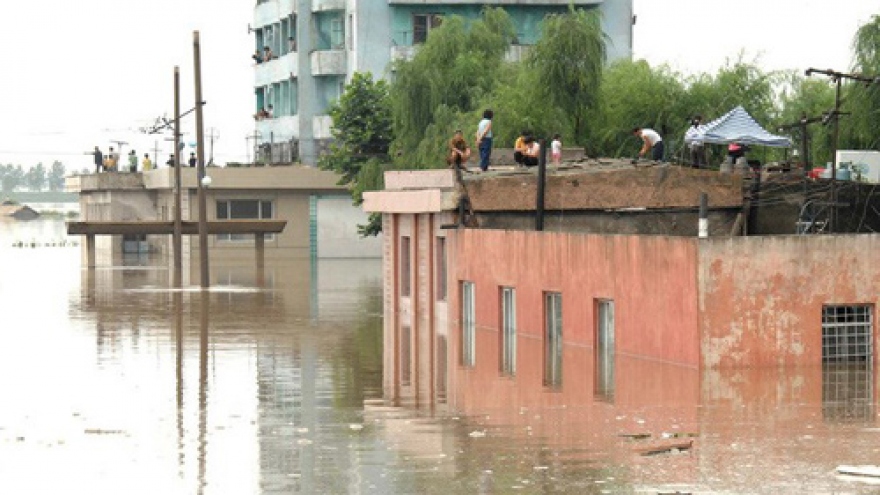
99 159
192 160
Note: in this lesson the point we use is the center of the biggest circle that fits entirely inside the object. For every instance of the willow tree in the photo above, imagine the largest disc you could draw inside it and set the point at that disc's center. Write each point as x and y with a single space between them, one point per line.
362 134
636 94
864 101
456 67
810 98
568 60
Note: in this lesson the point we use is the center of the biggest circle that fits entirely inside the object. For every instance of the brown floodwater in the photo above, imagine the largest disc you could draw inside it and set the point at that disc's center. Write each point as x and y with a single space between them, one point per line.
111 383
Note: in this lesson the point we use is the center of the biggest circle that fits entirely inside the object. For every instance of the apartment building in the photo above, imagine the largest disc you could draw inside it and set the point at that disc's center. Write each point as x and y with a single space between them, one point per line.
316 46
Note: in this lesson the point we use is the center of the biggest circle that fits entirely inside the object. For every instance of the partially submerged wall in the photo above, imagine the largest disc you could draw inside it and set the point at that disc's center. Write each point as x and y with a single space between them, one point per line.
761 298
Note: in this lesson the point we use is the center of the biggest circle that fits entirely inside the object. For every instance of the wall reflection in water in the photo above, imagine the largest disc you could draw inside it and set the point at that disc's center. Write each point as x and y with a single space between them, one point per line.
269 371
749 431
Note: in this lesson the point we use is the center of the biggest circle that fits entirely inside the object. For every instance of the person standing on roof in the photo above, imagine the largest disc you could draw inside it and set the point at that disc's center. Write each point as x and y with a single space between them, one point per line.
99 159
695 143
651 142
484 139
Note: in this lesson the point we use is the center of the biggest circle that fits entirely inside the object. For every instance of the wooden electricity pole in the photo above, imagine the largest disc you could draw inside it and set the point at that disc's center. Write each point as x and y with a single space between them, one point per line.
178 214
200 150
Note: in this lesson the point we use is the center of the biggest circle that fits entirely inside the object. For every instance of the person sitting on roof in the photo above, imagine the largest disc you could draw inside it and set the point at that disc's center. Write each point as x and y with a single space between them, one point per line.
459 151
519 146
532 151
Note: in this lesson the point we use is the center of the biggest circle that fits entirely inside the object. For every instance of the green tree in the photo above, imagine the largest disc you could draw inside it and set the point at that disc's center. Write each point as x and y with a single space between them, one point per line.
864 101
457 67
362 134
11 176
810 98
35 178
568 60
56 176
635 94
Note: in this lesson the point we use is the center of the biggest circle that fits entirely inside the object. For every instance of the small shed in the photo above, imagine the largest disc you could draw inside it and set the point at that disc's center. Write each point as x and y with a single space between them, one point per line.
10 209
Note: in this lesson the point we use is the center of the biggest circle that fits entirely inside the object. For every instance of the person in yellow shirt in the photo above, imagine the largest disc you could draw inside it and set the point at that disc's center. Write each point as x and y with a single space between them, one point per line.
146 164
519 147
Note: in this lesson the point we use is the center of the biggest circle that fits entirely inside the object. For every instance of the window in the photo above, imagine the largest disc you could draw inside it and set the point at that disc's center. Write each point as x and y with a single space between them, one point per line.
422 25
337 34
603 385
405 355
441 269
330 30
847 333
553 339
468 324
405 285
442 357
508 331
292 101
243 209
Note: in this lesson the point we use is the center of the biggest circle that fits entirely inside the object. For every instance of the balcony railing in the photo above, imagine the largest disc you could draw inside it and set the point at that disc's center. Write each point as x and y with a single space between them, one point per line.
328 62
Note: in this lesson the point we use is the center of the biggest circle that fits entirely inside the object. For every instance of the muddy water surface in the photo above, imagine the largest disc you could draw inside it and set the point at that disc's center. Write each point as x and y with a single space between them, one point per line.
111 383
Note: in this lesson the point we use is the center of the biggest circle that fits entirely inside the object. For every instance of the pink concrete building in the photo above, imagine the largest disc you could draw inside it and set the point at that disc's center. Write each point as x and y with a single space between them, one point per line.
468 309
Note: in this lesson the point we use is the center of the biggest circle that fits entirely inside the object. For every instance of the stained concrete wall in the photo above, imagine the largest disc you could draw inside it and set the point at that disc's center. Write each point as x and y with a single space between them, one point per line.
651 280
761 298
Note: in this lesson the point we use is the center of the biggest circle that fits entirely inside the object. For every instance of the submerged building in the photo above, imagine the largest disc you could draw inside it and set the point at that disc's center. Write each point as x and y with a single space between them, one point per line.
321 220
474 289
317 45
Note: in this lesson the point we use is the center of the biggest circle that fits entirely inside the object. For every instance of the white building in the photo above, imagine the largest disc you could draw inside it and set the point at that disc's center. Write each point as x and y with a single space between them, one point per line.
318 44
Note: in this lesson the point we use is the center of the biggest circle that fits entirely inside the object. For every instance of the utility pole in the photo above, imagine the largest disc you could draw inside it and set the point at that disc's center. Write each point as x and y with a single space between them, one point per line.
156 153
119 145
247 139
178 214
212 135
200 150
837 78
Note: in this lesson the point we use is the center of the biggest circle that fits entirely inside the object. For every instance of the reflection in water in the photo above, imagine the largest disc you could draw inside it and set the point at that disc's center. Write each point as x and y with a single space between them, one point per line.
108 380
848 392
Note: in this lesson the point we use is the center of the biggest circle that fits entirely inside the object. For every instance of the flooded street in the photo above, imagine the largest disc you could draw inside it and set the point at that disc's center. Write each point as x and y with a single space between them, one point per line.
112 383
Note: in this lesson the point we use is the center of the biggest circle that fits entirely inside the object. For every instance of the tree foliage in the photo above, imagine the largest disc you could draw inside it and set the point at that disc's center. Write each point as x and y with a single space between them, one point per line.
456 68
568 60
362 133
55 177
864 101
11 177
35 178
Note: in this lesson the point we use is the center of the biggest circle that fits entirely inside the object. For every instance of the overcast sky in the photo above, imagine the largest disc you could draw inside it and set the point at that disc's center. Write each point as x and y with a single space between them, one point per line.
81 73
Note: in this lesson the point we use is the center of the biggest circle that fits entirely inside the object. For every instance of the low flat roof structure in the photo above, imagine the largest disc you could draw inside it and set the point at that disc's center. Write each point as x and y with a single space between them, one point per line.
188 227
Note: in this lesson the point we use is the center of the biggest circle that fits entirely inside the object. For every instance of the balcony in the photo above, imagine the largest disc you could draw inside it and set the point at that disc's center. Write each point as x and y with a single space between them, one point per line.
325 5
277 69
515 53
329 62
269 11
278 129
321 125
403 53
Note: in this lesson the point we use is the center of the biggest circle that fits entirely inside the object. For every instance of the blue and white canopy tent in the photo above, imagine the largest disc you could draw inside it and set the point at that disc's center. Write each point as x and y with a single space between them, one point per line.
736 126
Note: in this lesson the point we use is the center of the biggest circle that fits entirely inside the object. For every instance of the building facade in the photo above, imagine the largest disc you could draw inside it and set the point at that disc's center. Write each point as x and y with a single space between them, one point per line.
317 45
530 305
321 220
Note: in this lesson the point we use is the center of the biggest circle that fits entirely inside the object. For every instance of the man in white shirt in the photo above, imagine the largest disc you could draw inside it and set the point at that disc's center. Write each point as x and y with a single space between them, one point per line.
696 145
652 141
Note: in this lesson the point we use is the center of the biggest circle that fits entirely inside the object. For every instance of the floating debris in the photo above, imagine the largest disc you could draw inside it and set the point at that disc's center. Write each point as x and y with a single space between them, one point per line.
669 448
868 471
635 436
